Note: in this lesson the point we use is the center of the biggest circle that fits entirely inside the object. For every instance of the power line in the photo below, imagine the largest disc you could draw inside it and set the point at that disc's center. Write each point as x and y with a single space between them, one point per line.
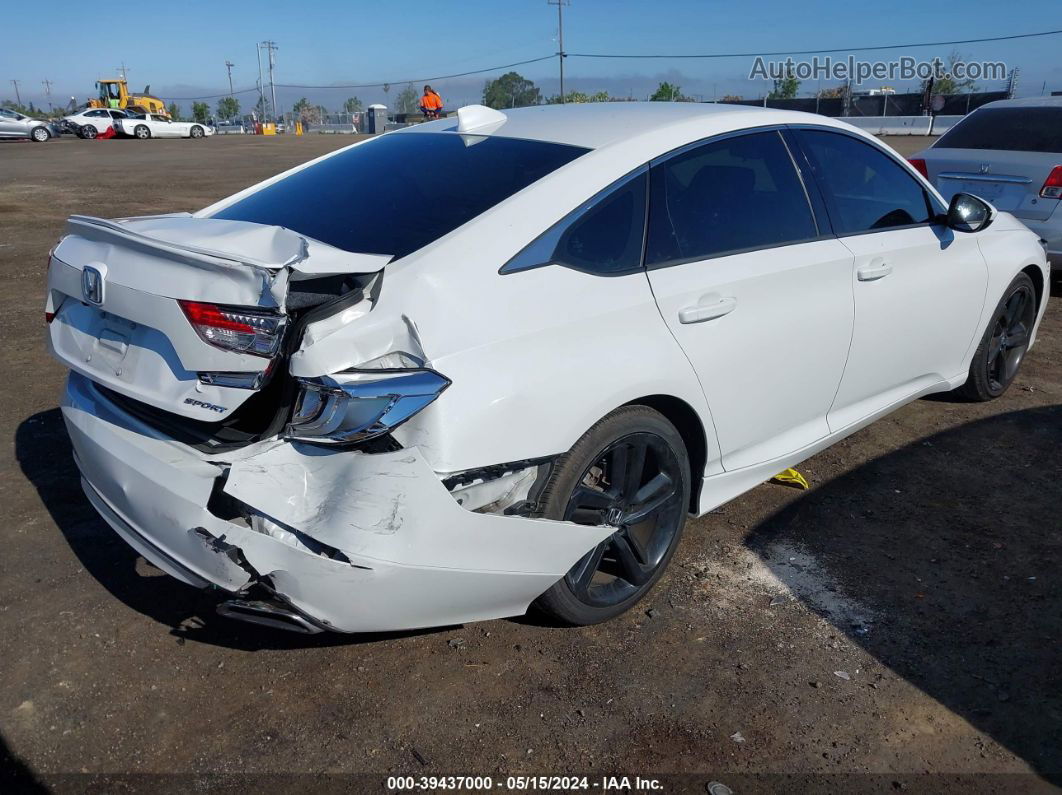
817 52
426 79
433 78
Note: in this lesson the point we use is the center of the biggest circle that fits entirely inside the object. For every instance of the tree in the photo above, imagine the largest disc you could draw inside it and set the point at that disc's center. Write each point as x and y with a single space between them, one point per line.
668 92
837 92
200 111
785 87
949 85
175 111
408 100
305 112
353 105
579 96
228 108
511 90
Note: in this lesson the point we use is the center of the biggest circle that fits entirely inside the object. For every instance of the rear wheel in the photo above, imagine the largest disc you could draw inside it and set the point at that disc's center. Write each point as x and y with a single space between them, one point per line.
1005 341
40 134
196 132
142 132
631 472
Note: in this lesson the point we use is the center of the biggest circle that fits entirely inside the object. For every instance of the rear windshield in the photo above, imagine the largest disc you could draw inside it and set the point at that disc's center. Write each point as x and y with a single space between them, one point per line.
400 192
1013 129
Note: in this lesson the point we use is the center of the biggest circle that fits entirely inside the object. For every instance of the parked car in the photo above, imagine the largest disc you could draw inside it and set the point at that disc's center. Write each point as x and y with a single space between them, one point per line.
18 125
150 125
97 119
1009 153
231 128
508 379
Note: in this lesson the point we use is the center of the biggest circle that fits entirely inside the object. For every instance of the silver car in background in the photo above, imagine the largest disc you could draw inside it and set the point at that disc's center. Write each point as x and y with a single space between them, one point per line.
1010 154
17 125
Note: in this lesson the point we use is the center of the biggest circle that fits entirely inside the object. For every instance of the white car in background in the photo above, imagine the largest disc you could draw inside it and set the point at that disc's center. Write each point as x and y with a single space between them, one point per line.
1010 153
99 119
509 378
151 125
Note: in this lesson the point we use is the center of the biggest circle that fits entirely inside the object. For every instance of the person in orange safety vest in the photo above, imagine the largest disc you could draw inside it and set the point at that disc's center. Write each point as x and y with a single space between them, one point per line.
430 104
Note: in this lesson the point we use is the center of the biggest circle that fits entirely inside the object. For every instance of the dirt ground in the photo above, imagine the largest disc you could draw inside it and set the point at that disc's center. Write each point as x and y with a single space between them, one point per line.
898 626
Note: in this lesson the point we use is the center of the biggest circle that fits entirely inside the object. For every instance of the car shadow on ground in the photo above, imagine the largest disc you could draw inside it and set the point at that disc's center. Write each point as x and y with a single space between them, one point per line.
43 450
948 553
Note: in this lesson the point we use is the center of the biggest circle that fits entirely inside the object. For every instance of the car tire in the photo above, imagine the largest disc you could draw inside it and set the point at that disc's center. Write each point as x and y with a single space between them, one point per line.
609 476
142 132
89 132
1004 343
196 131
40 134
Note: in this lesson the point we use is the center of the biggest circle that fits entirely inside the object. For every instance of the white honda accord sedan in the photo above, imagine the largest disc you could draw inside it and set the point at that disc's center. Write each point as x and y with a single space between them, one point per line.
494 362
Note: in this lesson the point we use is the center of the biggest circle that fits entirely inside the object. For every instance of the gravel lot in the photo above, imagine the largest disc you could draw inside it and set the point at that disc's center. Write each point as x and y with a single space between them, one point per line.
896 626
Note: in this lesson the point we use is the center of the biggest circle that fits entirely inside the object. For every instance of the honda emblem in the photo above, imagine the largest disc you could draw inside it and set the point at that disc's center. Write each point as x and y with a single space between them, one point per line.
92 285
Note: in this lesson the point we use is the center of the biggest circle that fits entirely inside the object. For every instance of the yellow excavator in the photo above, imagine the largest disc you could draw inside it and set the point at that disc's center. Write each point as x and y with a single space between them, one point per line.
114 93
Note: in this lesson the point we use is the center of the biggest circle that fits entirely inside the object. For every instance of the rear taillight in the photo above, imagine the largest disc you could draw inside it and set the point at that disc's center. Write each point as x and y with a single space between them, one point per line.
235 328
1052 188
919 165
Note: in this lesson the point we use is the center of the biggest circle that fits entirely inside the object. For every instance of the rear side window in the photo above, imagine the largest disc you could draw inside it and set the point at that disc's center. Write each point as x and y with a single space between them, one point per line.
865 189
1013 129
400 192
726 196
604 236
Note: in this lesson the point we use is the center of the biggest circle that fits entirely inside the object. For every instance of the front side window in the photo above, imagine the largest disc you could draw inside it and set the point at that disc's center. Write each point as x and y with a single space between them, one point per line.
602 236
726 196
8 114
865 189
400 192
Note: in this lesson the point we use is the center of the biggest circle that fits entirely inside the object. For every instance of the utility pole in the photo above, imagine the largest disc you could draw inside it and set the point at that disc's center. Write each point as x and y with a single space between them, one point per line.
560 39
228 65
123 70
270 47
261 85
18 99
48 92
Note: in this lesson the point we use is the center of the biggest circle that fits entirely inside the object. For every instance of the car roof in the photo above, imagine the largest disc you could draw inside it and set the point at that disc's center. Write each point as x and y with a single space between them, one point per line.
1025 102
597 124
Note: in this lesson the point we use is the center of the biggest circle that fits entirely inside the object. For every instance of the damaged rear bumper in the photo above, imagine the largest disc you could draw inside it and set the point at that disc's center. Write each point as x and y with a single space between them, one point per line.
408 555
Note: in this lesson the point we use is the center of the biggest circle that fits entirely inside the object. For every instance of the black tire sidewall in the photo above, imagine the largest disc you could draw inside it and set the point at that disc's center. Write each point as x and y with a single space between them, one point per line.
559 601
977 386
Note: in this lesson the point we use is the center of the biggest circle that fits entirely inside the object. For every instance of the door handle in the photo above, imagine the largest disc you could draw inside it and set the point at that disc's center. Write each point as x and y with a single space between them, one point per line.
698 313
877 269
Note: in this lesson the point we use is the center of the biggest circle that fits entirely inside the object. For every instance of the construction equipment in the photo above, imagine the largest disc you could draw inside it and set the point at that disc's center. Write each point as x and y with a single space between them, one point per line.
114 93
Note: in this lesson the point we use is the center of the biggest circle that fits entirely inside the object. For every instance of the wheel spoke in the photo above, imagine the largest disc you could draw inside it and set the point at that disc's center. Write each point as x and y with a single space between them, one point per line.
649 498
630 567
617 467
583 572
1013 308
591 498
587 516
635 469
1018 336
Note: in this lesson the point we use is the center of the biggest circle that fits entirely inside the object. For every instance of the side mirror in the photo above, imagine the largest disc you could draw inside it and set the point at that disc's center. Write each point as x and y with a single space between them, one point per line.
968 213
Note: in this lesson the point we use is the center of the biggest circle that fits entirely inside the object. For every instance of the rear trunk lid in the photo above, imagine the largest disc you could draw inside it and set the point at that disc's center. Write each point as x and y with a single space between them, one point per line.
114 298
1011 181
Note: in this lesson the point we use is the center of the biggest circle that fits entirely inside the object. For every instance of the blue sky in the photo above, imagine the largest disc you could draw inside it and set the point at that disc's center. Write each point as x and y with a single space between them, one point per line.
180 48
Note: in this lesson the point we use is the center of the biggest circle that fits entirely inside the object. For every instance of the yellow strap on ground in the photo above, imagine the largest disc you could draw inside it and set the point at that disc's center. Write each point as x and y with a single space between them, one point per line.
791 477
